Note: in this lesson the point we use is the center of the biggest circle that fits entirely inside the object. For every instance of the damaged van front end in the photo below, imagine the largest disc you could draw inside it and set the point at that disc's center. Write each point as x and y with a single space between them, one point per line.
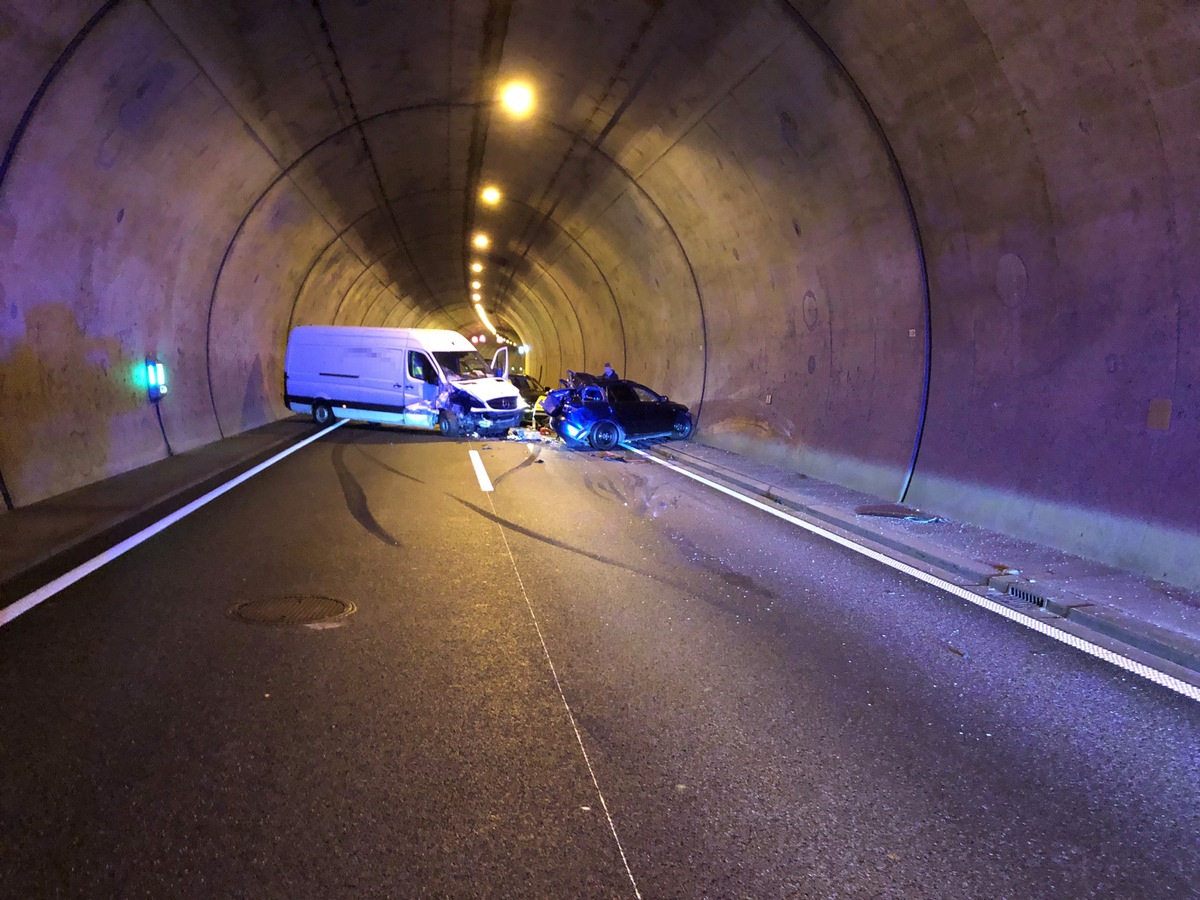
482 406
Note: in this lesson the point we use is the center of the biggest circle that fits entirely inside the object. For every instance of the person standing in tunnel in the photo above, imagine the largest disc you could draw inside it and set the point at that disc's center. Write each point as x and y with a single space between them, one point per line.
610 373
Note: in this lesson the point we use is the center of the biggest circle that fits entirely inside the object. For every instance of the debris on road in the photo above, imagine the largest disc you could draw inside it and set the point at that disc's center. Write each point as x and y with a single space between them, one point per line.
897 511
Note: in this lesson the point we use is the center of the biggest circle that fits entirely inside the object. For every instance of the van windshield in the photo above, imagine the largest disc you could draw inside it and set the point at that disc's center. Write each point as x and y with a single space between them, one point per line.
460 365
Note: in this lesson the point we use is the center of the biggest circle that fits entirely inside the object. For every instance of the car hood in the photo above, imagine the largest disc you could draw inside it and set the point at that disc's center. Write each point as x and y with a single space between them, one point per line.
488 389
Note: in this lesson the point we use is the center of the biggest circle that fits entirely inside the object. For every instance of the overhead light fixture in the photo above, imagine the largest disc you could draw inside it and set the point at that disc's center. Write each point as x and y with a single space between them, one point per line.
517 98
477 267
483 317
490 195
476 297
481 241
475 285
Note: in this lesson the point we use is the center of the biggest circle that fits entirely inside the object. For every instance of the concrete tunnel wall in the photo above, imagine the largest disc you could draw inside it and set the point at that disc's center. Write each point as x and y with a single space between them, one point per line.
745 205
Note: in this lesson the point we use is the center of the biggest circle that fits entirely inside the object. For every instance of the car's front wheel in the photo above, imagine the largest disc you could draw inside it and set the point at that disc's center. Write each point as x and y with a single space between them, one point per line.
605 435
683 427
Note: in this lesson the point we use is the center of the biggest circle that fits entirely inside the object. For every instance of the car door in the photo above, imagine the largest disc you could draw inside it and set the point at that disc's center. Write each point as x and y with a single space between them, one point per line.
420 382
656 413
500 363
627 407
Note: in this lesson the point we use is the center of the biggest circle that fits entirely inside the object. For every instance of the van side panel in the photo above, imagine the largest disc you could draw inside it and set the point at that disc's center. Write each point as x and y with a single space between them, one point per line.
357 372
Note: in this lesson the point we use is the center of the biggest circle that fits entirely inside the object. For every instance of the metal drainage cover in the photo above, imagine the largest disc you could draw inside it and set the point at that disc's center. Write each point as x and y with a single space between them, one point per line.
303 610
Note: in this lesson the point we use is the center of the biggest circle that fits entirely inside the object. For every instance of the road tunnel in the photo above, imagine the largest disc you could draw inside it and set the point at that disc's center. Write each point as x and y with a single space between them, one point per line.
940 251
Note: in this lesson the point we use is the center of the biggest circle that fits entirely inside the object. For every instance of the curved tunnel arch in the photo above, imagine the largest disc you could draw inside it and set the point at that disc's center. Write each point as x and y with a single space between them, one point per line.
317 259
576 138
575 243
280 178
1026 233
286 173
877 126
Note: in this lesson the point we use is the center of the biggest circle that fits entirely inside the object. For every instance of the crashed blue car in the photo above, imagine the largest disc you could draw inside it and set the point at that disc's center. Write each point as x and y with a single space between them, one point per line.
601 413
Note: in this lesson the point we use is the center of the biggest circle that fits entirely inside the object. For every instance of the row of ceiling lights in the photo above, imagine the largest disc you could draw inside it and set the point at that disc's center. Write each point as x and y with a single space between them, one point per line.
517 98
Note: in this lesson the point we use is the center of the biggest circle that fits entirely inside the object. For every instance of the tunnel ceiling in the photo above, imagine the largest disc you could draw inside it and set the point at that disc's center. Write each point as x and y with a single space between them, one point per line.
385 117
941 250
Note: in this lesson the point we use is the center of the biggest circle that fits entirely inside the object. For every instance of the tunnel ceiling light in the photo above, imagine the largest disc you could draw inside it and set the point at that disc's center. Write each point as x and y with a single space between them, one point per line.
477 297
475 285
483 317
517 98
476 267
481 240
490 195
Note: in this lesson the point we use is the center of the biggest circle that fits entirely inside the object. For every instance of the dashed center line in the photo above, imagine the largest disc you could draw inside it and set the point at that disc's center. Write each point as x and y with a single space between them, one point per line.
485 483
612 825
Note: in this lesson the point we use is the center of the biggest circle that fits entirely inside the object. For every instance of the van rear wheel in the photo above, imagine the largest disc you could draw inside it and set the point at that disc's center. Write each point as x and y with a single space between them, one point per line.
322 414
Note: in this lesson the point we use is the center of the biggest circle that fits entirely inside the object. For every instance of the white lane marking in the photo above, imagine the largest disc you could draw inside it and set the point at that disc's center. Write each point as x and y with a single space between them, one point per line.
612 826
485 483
46 591
1150 673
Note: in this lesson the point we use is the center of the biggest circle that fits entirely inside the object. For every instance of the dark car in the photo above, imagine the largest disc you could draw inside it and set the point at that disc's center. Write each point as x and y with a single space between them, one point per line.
603 413
532 393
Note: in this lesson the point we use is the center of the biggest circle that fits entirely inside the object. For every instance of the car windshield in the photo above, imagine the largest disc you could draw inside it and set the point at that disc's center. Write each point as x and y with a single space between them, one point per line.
531 384
460 365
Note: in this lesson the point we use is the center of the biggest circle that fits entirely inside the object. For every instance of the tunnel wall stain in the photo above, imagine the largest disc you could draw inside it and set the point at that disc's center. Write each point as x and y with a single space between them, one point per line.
94 231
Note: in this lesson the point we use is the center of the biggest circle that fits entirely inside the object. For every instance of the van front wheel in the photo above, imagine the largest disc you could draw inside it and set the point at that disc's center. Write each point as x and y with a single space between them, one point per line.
322 414
445 426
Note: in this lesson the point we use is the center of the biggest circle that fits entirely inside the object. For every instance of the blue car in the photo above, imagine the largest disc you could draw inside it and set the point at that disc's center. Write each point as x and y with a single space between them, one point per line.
602 413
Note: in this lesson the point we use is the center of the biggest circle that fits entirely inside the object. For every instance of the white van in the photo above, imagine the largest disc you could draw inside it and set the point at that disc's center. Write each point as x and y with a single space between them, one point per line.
419 377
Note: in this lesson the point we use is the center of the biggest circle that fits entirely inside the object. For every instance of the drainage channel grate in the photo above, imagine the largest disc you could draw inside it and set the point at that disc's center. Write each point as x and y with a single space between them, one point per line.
299 610
1024 593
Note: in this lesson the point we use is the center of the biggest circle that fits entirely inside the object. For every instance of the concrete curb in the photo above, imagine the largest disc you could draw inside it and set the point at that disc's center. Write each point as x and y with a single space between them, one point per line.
1087 615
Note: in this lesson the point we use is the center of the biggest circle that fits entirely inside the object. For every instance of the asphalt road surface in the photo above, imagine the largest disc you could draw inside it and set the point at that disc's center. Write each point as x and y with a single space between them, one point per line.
600 680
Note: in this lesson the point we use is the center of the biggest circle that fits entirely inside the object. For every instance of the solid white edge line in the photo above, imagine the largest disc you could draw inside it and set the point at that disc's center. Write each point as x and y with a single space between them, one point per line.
46 591
485 483
1163 679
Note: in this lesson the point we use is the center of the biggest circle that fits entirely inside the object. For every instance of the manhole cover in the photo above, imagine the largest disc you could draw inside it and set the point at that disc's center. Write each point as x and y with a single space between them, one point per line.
303 610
